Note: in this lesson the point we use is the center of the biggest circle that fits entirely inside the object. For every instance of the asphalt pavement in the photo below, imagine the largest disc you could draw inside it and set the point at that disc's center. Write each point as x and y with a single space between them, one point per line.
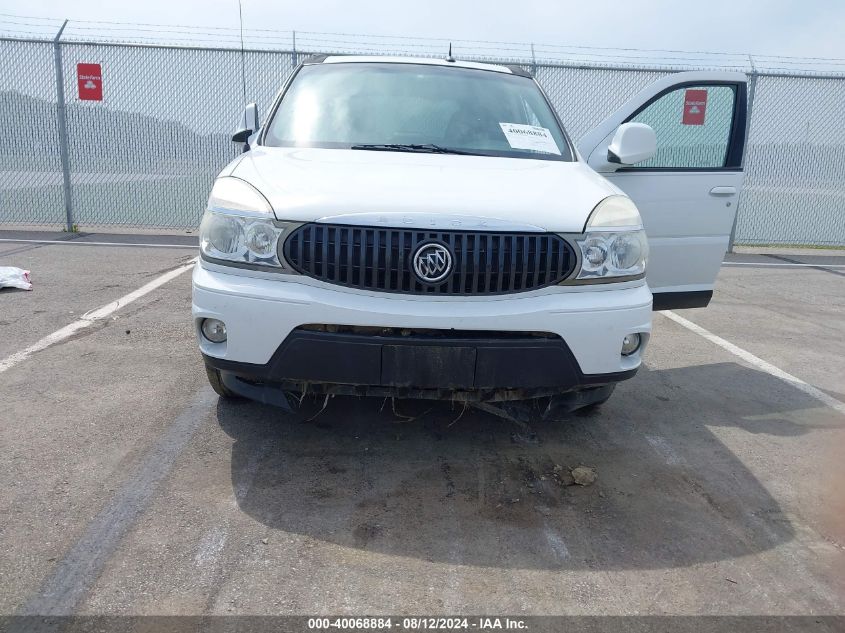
129 488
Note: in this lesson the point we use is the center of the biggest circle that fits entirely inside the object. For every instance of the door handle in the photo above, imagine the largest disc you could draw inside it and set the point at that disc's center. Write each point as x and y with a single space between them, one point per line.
723 191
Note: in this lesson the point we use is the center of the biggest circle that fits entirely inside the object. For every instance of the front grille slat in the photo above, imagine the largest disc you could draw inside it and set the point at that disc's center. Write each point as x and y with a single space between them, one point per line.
350 236
400 284
380 259
561 262
476 262
376 267
388 264
463 265
488 265
362 258
512 241
500 240
312 241
324 231
335 232
522 262
300 244
454 279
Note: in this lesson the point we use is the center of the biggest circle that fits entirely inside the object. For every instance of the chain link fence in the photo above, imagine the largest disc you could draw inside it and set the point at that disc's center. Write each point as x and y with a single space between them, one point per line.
794 190
147 154
30 164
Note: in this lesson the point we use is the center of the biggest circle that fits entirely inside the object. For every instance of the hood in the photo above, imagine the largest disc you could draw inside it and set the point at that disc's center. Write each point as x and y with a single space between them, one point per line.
424 190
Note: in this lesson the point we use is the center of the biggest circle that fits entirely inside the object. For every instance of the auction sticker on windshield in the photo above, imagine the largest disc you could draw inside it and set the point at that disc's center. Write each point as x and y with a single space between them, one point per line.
530 137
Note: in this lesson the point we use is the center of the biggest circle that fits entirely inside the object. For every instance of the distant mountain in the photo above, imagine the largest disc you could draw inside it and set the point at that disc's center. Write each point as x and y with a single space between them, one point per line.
102 139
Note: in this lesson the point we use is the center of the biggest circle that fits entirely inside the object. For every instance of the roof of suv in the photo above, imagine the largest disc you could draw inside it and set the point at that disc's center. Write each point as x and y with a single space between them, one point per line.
345 59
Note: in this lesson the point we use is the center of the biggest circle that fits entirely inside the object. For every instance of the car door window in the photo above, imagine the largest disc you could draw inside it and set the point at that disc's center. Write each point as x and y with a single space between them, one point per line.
693 127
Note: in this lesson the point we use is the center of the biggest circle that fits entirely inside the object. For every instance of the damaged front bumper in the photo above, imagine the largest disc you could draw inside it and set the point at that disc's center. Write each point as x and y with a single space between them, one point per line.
456 365
304 335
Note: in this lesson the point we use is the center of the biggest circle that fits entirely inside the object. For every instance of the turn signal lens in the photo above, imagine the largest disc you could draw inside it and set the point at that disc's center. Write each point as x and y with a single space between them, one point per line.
234 194
614 212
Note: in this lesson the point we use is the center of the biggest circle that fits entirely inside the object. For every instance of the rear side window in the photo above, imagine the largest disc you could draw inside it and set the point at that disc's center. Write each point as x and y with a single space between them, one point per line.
693 126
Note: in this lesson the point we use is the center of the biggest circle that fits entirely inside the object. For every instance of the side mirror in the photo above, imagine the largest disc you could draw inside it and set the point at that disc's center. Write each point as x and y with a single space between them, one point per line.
248 124
632 143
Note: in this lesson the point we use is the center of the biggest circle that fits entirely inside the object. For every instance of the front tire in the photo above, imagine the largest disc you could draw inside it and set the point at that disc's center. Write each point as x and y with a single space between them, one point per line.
602 395
216 383
562 406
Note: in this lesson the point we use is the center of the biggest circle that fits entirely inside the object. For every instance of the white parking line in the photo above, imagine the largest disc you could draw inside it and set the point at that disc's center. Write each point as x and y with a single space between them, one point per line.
81 243
759 363
89 318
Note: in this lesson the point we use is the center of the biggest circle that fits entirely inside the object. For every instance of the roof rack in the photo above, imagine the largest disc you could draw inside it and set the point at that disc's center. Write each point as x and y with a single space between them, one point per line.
315 59
514 68
518 70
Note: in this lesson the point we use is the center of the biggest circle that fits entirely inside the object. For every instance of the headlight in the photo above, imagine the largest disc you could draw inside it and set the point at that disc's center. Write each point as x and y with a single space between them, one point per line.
239 225
614 242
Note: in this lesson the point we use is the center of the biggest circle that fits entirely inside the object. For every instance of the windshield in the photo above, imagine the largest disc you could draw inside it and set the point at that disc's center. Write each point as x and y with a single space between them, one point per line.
417 107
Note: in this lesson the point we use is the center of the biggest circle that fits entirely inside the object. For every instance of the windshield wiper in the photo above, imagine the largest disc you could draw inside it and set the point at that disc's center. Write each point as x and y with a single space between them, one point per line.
423 148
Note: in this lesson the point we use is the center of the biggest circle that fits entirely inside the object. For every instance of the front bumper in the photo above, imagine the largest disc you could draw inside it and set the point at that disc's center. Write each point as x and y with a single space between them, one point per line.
264 317
492 367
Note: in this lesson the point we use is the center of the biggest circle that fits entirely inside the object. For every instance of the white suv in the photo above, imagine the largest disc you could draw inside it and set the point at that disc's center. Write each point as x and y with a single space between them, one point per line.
425 228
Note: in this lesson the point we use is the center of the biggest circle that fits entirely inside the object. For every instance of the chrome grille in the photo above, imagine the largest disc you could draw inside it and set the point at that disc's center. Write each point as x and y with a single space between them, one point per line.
379 259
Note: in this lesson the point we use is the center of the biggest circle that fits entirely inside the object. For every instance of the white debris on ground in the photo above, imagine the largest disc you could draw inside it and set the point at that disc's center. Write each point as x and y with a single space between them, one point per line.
584 476
11 277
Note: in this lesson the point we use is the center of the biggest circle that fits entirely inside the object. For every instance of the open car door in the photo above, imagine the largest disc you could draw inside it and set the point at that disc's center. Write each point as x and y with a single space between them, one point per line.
687 191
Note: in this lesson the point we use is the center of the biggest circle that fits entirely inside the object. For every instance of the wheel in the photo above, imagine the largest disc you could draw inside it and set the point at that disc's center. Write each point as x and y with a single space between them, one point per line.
216 383
561 406
596 397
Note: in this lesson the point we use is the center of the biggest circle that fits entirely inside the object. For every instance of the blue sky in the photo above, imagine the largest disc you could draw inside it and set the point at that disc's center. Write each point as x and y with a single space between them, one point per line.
812 28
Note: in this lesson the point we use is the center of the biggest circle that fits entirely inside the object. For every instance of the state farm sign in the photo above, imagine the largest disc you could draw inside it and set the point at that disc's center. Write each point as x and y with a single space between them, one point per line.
90 80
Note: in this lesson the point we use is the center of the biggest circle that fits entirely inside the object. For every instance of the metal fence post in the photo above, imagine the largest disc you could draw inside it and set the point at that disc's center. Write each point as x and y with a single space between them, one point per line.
293 52
63 150
752 82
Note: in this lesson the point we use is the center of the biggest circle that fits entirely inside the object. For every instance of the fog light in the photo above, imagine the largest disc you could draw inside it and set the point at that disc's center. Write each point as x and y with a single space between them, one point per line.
630 344
214 330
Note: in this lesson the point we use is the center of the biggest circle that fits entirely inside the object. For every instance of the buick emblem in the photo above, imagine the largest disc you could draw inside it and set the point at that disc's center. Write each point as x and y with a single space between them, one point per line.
432 262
